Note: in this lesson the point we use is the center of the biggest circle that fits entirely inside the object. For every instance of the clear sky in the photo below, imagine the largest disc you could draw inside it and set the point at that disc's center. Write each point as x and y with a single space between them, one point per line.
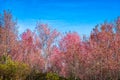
64 15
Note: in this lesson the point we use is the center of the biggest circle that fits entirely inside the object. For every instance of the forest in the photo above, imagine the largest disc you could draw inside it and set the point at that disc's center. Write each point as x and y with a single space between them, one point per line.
46 54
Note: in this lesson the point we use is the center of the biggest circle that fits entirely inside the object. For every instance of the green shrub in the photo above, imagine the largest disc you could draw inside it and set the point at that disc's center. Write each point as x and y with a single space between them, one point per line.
52 76
36 75
11 70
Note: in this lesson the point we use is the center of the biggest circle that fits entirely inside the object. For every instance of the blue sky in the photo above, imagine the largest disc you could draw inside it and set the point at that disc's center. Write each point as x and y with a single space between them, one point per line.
64 15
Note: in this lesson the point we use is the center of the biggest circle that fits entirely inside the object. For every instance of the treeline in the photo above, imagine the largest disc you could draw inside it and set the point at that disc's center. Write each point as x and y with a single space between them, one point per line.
45 54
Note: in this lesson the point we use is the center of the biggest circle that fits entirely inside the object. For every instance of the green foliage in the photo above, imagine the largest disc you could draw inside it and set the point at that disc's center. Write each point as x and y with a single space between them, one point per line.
35 75
11 70
52 76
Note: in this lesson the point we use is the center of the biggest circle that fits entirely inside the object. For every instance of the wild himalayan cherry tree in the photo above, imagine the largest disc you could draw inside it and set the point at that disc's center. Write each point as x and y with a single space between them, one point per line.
73 60
56 60
104 61
47 38
30 51
8 34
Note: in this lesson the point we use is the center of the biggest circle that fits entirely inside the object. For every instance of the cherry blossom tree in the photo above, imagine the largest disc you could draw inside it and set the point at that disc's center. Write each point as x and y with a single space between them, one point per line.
8 33
47 38
71 48
29 51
